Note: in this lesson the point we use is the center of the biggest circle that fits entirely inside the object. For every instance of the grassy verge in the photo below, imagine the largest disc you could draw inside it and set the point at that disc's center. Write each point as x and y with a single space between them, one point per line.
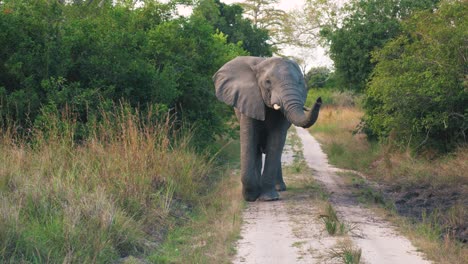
209 235
430 190
116 194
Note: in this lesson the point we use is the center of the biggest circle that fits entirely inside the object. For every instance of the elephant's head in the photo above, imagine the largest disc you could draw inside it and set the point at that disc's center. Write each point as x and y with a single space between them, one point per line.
251 83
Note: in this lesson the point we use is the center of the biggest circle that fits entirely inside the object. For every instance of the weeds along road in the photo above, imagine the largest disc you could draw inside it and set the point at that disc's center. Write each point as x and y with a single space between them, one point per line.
292 231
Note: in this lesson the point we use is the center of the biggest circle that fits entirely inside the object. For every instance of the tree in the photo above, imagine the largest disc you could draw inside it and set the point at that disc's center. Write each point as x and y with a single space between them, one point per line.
228 19
418 90
265 16
318 77
301 27
86 55
367 25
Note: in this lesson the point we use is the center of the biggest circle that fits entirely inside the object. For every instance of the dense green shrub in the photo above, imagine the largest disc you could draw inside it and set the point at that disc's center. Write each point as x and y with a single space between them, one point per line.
86 54
418 92
367 25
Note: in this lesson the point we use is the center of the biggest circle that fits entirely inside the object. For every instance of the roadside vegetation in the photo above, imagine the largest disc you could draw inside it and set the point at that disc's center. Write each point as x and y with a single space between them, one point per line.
98 200
404 125
210 234
116 195
429 192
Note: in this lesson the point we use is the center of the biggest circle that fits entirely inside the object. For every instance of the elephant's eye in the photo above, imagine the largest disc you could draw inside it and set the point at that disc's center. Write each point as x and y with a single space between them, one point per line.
268 82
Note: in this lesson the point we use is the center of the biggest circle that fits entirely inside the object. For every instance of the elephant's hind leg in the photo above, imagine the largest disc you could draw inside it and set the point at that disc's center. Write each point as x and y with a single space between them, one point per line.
279 182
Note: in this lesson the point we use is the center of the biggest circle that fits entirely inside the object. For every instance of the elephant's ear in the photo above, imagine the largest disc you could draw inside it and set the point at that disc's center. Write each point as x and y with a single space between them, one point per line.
236 85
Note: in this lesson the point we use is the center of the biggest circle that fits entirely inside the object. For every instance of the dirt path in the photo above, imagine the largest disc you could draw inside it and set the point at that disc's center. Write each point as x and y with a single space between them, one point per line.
290 231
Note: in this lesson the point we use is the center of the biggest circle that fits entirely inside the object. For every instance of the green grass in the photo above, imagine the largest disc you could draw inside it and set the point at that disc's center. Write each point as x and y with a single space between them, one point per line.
211 231
346 252
113 195
332 224
333 97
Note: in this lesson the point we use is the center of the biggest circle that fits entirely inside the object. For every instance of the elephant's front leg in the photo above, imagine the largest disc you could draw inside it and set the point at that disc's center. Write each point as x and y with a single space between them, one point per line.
251 157
272 178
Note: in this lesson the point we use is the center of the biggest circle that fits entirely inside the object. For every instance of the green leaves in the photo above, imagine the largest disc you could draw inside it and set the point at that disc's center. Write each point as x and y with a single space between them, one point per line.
367 25
83 53
229 20
417 92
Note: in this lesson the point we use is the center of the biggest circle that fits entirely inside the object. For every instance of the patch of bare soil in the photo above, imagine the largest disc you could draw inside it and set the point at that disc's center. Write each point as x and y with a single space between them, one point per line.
418 201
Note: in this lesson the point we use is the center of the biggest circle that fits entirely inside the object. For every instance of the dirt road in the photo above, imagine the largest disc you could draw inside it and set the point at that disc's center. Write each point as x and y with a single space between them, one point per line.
290 230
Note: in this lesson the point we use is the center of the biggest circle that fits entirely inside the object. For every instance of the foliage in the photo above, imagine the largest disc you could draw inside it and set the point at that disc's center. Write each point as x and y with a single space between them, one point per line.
111 196
264 15
418 92
320 77
86 54
367 25
228 19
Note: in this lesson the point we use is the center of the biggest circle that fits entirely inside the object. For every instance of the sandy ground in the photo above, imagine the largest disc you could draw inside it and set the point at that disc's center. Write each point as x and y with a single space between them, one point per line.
290 231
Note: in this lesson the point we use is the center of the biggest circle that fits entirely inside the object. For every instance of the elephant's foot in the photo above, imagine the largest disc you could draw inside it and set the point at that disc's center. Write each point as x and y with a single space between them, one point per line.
280 187
250 195
271 195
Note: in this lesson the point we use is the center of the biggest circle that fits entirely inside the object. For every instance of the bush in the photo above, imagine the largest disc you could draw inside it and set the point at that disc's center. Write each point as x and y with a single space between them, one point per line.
334 97
417 95
75 56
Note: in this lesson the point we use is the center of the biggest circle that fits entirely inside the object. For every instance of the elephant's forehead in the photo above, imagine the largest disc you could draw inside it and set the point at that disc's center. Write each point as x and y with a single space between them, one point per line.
285 72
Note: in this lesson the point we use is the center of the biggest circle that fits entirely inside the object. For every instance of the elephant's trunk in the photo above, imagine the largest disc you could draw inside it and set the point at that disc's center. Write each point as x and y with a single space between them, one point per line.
296 114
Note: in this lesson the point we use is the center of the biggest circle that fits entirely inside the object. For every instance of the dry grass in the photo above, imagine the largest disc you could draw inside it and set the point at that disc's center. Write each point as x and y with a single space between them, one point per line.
334 130
210 235
425 236
405 168
346 252
108 197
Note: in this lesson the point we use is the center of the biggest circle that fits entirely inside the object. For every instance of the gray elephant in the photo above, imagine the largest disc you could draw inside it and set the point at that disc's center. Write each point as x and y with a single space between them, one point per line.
268 94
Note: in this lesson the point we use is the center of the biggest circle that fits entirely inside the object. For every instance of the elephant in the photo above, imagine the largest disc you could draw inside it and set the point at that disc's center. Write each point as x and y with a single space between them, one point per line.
268 94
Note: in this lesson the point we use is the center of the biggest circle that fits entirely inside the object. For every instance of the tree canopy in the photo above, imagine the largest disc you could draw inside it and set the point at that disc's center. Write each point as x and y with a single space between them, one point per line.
228 19
366 25
418 92
86 55
265 15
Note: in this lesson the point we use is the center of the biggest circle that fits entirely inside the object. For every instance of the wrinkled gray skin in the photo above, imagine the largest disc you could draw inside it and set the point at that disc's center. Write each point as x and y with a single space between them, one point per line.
253 85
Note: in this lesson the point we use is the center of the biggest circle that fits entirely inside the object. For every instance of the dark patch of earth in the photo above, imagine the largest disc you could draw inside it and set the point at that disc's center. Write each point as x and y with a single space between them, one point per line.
417 201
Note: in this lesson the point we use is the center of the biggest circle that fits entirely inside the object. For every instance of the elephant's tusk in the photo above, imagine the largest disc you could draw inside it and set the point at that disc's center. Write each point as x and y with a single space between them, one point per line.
276 107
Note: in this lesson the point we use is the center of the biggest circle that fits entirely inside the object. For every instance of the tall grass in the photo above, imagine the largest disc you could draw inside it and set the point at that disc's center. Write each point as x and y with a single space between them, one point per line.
333 97
335 131
110 196
346 147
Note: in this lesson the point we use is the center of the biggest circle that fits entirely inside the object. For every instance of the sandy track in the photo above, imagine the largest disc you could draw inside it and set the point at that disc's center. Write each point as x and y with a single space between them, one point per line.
289 230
